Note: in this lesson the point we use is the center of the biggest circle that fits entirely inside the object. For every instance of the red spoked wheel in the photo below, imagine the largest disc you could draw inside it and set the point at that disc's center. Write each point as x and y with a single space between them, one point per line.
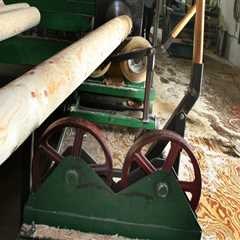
177 145
81 127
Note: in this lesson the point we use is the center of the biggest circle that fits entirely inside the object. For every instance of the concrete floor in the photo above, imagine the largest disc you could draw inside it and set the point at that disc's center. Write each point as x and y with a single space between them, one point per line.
213 129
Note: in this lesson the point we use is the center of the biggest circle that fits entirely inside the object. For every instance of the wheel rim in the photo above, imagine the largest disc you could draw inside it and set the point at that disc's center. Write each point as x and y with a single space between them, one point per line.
82 127
178 144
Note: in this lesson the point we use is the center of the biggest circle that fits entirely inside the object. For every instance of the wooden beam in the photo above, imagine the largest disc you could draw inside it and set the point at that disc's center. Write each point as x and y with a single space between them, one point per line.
199 32
180 26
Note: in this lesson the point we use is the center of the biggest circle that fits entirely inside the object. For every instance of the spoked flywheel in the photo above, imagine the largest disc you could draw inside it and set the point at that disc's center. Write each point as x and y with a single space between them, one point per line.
177 145
54 157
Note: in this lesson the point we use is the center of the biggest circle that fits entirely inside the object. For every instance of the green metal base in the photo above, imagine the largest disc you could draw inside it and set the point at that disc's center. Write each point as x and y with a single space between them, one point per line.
132 91
74 197
114 119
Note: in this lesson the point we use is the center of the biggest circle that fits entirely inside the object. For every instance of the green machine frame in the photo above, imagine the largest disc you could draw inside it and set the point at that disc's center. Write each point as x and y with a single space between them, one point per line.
74 197
63 22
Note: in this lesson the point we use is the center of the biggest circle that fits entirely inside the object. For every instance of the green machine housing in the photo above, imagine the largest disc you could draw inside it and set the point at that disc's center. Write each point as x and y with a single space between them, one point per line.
63 22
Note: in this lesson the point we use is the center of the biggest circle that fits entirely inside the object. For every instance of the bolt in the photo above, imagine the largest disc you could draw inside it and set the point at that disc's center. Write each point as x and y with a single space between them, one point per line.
72 177
162 190
182 116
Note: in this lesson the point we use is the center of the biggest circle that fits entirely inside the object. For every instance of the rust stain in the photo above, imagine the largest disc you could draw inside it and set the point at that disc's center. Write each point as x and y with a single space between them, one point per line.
45 93
31 72
53 87
2 129
34 94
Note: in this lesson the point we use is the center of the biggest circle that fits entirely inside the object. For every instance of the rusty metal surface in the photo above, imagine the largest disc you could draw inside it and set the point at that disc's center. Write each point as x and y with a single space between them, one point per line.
17 21
30 99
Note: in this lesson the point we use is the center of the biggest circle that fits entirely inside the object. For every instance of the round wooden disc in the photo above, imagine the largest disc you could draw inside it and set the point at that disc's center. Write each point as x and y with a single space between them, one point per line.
101 70
139 74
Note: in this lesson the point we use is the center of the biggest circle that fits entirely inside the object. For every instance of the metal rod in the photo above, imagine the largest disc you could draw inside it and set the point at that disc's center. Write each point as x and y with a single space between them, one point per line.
199 32
193 93
156 21
149 83
30 99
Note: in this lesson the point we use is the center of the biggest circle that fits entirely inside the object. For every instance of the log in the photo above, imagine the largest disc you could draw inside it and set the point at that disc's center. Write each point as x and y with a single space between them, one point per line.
29 100
10 7
17 21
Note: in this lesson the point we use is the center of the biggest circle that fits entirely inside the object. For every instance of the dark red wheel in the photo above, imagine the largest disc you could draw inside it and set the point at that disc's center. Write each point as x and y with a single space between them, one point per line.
177 145
82 127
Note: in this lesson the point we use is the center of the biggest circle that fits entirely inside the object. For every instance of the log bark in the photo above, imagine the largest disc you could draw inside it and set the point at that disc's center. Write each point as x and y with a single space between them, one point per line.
29 100
17 21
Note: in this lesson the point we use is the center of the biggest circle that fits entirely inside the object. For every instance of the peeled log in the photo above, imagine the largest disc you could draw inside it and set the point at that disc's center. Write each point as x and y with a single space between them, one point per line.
29 100
17 21
10 7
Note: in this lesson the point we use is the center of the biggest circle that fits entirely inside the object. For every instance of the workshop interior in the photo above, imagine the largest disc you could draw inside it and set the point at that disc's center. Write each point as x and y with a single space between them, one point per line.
119 119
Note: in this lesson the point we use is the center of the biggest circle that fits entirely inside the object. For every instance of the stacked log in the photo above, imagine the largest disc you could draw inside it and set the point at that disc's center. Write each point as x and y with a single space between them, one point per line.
17 18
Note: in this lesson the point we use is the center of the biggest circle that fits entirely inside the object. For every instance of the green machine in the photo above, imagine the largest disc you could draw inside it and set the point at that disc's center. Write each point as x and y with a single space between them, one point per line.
71 187
63 22
145 199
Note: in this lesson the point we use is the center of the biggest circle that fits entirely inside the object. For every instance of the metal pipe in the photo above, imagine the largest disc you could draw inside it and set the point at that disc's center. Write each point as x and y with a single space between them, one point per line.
199 32
156 21
149 83
10 7
17 21
29 100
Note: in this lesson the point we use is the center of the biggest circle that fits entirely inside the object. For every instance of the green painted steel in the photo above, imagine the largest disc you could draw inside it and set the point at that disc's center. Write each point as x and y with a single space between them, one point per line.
63 15
132 91
114 119
29 51
74 197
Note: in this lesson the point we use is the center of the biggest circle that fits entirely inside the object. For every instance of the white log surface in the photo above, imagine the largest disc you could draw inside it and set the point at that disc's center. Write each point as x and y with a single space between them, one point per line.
10 7
17 21
29 100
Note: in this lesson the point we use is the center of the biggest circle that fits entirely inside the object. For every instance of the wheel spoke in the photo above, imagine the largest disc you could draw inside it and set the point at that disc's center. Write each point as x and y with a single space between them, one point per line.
172 156
188 186
144 163
52 153
78 140
101 169
193 188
